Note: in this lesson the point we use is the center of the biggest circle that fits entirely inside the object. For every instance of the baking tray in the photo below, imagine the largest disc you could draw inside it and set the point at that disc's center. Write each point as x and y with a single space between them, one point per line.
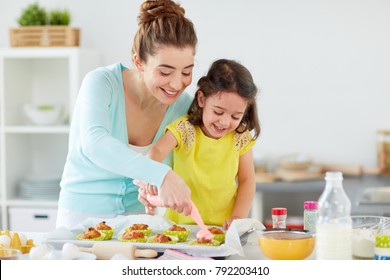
157 223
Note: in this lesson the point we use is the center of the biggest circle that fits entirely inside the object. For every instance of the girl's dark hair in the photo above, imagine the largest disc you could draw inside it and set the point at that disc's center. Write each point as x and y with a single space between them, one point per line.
162 22
228 76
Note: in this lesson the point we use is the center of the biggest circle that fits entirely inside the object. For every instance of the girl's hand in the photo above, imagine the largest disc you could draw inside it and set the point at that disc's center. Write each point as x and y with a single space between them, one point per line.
144 189
229 221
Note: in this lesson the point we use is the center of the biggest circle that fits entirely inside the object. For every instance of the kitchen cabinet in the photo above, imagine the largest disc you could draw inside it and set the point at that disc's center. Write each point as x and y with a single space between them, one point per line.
36 76
33 219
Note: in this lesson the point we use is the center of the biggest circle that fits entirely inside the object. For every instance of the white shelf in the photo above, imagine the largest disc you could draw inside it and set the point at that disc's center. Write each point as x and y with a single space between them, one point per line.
37 76
36 129
44 52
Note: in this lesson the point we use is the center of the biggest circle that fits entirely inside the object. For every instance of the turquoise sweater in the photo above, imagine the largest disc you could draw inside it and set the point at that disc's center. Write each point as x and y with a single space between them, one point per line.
100 165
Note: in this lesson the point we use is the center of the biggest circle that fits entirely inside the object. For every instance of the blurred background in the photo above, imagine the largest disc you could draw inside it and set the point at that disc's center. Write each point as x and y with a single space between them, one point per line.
322 67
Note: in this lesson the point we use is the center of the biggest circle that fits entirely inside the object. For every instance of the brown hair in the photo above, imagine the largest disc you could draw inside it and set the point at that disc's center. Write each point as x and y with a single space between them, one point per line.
228 76
162 22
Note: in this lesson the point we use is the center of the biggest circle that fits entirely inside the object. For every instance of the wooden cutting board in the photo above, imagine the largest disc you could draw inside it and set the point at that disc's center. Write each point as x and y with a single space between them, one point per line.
265 177
298 175
349 169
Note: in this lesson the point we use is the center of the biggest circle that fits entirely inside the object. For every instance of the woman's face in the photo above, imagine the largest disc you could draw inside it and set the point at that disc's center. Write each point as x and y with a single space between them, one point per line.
169 72
222 113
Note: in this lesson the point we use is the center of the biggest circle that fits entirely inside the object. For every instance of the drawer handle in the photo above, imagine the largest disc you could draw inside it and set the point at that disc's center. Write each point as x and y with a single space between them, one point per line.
41 216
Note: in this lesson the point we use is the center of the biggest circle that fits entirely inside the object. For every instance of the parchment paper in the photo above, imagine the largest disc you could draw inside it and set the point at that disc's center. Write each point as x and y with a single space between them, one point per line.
157 223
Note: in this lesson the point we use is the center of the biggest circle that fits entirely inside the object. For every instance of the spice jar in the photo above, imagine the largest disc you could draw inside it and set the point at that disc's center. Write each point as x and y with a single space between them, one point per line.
310 215
279 217
383 151
382 245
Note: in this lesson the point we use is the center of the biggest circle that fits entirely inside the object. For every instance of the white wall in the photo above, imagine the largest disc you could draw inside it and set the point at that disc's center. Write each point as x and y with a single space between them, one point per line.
323 66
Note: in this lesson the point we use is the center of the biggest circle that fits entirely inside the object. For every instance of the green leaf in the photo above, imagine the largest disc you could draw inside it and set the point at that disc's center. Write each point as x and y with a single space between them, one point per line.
33 14
59 17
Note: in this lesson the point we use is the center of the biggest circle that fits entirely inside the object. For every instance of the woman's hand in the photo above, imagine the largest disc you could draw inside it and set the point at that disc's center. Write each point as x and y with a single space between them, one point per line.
175 194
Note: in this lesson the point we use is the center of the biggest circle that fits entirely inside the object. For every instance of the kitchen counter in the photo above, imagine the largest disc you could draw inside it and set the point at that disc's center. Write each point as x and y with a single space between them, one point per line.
318 185
292 195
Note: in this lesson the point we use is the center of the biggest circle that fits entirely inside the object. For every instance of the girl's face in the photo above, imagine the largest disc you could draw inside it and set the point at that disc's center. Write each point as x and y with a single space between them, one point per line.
222 113
169 72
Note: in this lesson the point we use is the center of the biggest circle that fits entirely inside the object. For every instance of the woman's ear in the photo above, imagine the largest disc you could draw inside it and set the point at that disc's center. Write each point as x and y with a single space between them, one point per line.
201 99
137 62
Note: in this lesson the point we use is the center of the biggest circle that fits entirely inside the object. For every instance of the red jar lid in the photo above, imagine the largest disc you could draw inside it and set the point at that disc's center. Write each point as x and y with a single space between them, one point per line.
279 211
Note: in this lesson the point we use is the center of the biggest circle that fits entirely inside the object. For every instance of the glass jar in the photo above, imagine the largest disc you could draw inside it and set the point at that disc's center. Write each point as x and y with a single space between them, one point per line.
382 242
279 217
383 151
382 247
310 216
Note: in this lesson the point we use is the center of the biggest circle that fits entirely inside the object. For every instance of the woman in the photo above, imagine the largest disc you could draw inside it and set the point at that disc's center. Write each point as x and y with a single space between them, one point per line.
120 112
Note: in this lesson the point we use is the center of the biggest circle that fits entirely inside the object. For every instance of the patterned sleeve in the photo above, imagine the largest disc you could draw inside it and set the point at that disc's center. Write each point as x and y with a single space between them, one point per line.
183 131
244 142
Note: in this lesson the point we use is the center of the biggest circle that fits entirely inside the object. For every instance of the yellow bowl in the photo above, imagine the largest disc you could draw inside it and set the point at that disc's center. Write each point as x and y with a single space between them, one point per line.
286 244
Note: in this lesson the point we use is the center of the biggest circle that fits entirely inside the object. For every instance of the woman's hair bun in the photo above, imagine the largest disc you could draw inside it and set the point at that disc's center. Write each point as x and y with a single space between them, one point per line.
152 10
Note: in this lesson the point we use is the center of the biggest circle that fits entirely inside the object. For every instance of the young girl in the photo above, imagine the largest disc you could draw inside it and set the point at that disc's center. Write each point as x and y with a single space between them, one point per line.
212 145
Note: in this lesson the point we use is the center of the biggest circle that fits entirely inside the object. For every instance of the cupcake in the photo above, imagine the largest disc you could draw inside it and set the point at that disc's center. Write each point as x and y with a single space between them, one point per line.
203 242
91 234
140 227
163 239
218 233
180 232
132 236
106 229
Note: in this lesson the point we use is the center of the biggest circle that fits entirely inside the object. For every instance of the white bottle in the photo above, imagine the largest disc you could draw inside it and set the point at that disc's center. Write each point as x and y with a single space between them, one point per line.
334 224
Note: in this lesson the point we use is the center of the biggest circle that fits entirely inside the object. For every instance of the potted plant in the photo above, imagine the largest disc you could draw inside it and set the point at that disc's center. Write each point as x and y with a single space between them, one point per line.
41 28
33 14
59 17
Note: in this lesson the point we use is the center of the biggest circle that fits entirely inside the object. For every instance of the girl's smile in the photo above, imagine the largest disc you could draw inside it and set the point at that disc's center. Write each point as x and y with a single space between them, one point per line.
222 113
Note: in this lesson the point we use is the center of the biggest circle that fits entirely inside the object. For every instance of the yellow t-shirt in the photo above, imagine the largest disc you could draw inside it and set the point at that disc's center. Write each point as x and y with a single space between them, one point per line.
209 167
